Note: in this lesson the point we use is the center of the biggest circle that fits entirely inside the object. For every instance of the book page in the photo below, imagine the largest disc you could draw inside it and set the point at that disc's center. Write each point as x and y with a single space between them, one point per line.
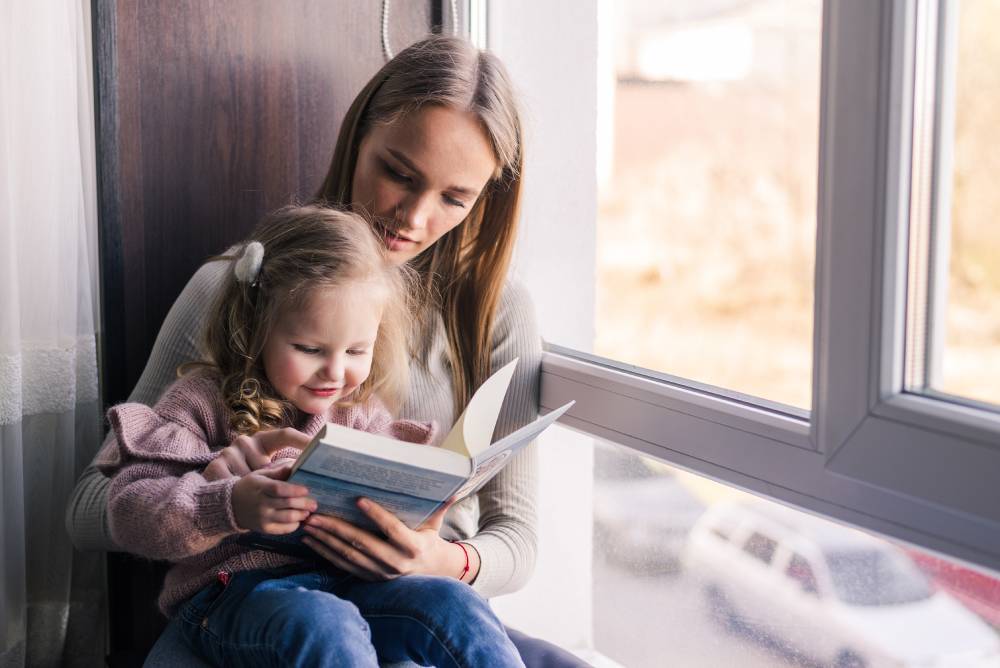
520 437
473 431
489 462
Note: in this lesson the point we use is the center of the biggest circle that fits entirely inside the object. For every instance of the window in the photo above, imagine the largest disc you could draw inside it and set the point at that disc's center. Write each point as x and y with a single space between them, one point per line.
954 287
870 442
662 587
706 221
800 572
760 547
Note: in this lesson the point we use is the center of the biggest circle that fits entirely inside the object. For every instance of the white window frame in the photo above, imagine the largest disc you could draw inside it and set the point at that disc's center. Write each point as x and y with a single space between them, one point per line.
909 466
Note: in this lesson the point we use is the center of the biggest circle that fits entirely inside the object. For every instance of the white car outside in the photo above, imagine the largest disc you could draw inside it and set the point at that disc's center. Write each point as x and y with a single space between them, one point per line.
832 593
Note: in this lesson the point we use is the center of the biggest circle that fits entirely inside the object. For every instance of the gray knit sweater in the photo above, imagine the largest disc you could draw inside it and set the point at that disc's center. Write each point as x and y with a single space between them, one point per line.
499 521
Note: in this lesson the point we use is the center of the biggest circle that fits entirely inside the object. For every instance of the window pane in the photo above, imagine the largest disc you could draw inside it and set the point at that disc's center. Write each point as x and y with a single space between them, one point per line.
673 584
707 208
971 351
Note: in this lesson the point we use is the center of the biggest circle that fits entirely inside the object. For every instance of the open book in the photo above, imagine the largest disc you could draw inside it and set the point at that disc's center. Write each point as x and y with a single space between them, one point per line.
408 479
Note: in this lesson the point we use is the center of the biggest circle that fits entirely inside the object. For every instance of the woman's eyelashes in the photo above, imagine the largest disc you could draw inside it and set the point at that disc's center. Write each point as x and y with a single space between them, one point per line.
405 179
454 202
395 174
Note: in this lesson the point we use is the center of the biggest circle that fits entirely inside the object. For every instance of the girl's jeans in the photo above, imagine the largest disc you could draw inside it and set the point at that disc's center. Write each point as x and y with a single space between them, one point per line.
287 617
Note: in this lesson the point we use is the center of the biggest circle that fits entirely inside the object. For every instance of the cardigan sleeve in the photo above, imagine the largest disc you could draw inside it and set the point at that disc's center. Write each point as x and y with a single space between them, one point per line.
176 343
156 456
507 538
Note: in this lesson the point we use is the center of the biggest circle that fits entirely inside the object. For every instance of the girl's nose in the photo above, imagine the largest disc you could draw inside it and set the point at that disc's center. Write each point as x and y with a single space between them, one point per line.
334 368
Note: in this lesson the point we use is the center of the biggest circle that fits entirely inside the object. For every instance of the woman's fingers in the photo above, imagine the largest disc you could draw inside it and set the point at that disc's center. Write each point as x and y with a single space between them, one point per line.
354 552
338 561
436 519
400 535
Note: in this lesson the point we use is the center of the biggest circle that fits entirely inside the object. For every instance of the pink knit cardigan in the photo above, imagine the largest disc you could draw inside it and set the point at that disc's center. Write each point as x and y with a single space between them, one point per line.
161 507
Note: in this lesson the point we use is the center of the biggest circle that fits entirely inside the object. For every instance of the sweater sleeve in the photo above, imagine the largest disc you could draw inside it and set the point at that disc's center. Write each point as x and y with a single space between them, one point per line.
157 482
176 343
507 538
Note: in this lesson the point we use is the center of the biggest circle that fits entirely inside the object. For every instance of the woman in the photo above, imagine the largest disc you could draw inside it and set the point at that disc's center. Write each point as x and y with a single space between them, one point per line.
432 149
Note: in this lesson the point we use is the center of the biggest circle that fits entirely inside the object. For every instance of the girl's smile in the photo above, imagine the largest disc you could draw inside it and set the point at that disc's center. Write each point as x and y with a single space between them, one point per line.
321 352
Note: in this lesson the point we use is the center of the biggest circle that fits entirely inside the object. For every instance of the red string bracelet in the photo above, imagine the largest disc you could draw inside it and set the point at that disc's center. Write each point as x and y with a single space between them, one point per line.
466 553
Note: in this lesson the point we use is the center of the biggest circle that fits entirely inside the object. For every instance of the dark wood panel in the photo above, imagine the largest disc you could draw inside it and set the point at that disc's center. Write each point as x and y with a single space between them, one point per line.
209 113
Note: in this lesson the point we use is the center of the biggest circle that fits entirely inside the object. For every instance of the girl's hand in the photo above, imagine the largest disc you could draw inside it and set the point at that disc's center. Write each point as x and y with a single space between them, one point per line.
403 551
249 453
264 502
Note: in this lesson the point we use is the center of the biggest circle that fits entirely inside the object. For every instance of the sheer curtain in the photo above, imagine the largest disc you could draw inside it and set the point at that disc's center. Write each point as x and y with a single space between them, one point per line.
51 605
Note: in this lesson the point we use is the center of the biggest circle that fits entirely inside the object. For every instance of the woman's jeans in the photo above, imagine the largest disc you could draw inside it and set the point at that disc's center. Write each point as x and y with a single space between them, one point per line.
287 617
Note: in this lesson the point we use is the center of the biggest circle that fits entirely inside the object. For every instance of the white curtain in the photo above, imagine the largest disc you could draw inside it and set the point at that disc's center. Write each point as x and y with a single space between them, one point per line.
51 602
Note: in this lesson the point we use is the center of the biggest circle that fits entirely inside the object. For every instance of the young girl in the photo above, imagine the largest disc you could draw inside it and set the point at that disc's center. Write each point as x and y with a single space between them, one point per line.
309 327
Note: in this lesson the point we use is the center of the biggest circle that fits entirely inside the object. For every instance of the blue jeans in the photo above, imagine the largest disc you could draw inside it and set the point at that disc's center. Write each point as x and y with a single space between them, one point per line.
324 617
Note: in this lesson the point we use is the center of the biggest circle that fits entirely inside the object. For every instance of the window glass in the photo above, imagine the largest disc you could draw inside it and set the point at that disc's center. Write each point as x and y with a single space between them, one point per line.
801 573
665 588
876 577
760 547
707 199
971 349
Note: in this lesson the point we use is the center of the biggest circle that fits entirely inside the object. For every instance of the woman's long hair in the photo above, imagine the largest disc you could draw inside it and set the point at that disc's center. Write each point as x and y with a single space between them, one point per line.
463 274
306 249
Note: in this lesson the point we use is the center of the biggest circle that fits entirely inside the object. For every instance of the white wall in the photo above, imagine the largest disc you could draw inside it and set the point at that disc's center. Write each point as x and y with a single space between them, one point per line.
556 77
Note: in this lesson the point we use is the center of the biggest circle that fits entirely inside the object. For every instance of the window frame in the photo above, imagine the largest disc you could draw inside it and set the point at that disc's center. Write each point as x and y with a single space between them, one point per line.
913 467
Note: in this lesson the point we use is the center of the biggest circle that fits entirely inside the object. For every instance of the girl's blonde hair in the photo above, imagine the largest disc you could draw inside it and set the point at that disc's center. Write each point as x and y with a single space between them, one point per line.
306 249
463 274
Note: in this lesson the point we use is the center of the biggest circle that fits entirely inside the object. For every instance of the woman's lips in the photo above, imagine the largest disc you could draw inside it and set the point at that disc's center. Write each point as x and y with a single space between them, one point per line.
394 240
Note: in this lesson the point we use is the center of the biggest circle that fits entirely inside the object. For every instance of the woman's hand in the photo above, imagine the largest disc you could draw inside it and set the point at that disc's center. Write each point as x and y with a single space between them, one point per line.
262 501
403 551
249 453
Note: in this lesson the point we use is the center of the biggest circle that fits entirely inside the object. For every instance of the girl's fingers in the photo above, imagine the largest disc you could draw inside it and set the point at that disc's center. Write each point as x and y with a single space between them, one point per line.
279 489
293 503
287 516
254 456
273 440
280 472
280 528
236 464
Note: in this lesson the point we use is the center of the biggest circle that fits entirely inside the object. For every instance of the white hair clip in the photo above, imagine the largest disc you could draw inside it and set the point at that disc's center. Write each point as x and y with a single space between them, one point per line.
247 267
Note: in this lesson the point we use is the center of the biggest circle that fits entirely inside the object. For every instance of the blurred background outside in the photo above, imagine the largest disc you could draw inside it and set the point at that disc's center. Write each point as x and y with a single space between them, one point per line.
706 237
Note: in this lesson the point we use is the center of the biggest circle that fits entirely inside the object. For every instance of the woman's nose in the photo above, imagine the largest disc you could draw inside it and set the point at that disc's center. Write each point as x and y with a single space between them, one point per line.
416 211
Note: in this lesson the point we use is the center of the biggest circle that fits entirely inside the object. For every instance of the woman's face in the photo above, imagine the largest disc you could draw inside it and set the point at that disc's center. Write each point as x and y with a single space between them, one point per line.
420 176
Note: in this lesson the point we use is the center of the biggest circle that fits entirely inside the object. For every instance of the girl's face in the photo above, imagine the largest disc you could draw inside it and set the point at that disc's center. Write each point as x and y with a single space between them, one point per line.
420 176
320 354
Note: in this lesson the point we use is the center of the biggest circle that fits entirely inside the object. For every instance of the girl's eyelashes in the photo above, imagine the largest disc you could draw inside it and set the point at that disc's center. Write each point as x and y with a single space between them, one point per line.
308 350
358 352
